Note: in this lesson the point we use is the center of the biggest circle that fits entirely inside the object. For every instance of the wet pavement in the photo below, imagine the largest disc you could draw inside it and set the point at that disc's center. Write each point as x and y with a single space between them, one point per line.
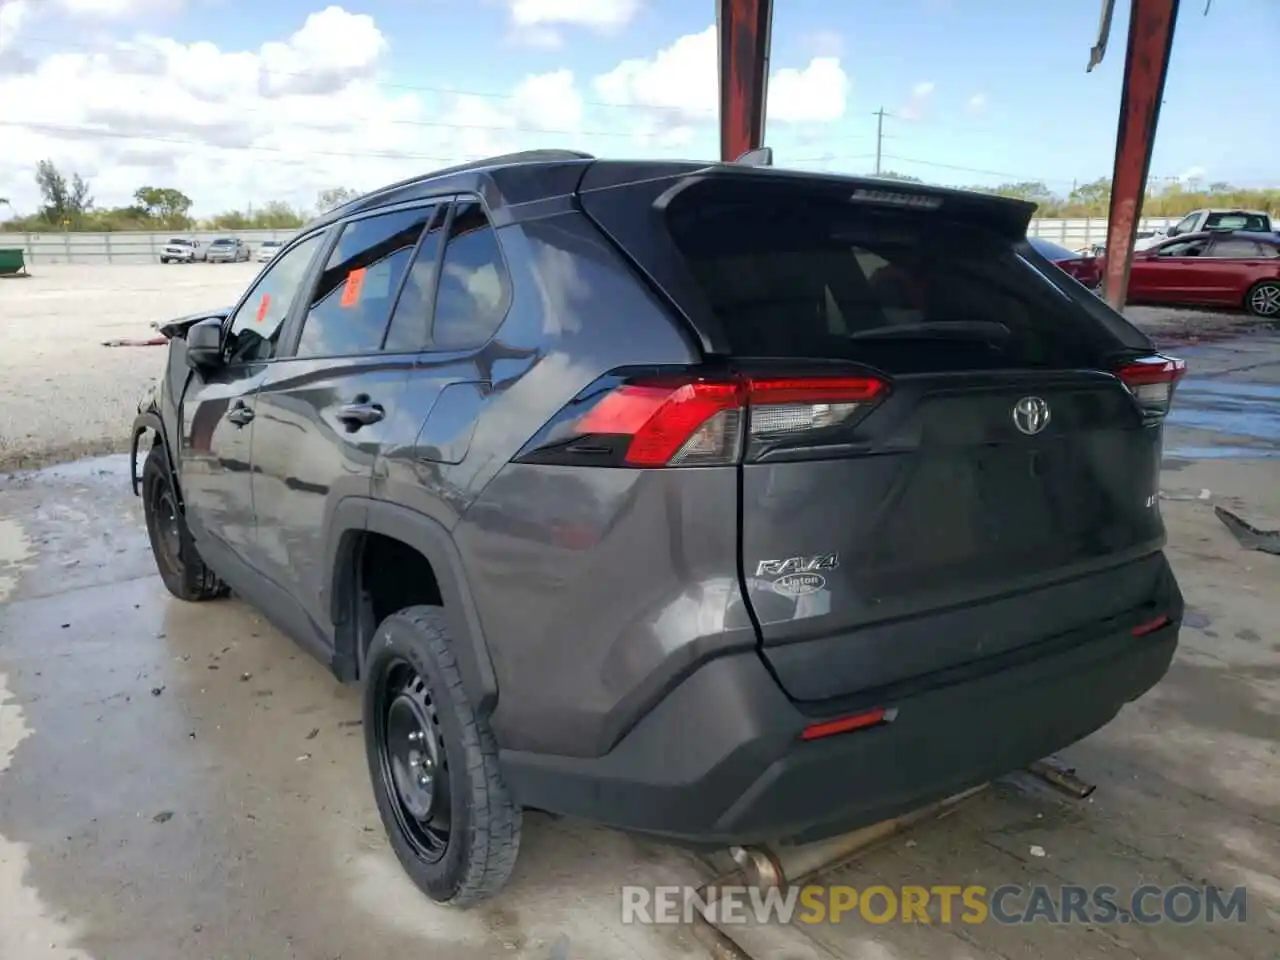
1229 403
182 781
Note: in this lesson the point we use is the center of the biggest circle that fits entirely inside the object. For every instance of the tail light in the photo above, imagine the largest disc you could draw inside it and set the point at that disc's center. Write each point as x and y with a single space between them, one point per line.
1152 381
689 421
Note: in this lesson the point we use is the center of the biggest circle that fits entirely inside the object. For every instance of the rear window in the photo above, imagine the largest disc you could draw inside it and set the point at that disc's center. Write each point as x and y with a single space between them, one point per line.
896 288
1251 222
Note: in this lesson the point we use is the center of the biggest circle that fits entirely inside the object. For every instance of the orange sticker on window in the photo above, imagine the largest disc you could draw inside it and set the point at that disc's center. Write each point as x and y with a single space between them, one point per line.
263 307
351 291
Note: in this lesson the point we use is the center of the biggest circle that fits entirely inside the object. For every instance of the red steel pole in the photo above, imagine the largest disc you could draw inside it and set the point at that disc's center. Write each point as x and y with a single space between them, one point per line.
744 28
1146 64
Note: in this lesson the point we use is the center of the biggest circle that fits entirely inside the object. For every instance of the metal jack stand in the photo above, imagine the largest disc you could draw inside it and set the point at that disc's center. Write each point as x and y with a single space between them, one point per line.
783 865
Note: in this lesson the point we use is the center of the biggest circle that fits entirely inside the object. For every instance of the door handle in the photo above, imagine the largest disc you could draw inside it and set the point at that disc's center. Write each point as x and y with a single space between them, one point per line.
240 415
360 414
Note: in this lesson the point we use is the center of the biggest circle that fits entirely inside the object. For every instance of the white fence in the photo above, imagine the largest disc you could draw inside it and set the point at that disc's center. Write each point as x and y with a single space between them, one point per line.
122 247
131 247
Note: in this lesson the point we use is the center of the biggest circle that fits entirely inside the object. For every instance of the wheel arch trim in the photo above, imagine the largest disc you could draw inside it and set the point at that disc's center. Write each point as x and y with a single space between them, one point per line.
353 516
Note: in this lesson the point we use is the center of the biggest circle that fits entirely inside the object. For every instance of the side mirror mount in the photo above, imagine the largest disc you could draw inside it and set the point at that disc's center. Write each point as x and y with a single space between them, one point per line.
204 344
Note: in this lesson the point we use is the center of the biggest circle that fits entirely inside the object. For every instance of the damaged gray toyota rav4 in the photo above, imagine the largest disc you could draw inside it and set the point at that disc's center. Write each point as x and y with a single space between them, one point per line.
716 502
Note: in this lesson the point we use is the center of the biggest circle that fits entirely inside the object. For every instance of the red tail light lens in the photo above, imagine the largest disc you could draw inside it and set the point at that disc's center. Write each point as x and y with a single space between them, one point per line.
1152 381
686 424
697 421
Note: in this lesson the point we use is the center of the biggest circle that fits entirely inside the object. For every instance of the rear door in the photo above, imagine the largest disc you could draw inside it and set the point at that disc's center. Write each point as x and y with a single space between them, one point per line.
326 408
940 427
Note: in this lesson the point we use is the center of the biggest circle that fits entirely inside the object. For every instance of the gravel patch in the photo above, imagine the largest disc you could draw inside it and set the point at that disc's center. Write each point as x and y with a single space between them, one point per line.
64 396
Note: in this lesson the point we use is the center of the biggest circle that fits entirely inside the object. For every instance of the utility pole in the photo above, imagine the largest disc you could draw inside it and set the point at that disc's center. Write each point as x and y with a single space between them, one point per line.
879 115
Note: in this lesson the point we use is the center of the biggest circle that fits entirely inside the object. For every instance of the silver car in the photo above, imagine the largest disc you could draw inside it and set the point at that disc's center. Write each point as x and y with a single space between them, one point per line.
228 250
268 249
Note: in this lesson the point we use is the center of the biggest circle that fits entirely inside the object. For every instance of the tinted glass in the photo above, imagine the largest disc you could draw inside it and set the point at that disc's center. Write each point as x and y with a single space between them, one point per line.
471 295
812 279
411 324
1237 221
1183 248
1236 249
352 300
1050 250
256 325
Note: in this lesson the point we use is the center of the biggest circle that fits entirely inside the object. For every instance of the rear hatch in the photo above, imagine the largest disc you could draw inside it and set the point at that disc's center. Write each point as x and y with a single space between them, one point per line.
950 449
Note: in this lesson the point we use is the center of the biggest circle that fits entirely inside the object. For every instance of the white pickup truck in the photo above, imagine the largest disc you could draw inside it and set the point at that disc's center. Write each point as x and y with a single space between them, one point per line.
1253 221
182 250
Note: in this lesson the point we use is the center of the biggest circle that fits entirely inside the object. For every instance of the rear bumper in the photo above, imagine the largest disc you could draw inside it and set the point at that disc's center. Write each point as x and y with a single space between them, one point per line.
719 759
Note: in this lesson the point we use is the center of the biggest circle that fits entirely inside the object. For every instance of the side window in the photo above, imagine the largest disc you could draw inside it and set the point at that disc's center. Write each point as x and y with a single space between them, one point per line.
411 323
1236 249
1185 225
352 300
473 290
1185 248
255 327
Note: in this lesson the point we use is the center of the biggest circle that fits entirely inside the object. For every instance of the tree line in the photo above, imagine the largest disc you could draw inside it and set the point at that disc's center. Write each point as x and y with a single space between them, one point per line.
67 204
1093 199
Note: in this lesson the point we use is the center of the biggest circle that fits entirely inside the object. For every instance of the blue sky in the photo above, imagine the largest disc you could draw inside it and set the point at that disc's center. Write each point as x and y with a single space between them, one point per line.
1045 118
980 91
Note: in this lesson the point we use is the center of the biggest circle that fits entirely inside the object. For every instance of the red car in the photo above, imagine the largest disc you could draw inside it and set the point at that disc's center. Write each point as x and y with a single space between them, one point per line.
1084 267
1218 268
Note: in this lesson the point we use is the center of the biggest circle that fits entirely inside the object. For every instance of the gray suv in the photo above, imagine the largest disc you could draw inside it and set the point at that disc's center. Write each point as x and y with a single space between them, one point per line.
716 502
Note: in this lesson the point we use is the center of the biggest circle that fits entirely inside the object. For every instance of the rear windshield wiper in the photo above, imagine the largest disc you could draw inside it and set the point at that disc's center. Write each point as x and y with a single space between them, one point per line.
936 329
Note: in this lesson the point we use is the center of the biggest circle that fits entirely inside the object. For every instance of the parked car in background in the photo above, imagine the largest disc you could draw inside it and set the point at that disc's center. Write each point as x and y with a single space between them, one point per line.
1222 218
268 249
227 250
183 250
1214 268
566 458
1083 266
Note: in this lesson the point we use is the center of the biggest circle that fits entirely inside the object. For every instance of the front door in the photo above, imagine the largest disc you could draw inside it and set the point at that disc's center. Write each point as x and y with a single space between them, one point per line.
218 410
325 410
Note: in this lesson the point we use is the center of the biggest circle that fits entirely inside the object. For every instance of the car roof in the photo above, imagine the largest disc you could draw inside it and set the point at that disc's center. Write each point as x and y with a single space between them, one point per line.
1261 237
534 175
1240 210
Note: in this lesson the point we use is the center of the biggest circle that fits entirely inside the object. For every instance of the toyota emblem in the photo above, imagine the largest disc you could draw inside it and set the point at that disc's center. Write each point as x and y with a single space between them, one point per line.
1031 415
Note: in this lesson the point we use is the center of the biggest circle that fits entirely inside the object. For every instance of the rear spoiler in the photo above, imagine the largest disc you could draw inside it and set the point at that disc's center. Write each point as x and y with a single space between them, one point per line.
1006 217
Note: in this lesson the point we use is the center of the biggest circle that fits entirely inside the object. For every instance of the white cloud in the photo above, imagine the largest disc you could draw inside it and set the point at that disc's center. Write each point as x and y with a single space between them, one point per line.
681 82
535 21
282 121
977 103
12 15
296 114
918 102
114 9
1193 173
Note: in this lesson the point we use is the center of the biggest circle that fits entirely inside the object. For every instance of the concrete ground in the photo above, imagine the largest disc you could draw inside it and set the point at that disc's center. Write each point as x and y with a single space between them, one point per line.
181 780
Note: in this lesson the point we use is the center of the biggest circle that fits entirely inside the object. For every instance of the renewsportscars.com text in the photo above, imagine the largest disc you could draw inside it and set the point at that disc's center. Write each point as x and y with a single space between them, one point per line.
938 904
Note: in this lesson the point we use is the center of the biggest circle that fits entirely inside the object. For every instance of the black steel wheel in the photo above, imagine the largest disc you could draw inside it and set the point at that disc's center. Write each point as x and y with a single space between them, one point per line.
433 764
183 571
414 766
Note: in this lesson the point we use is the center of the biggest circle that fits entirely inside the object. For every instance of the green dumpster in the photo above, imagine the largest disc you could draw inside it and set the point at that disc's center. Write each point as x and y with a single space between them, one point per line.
12 262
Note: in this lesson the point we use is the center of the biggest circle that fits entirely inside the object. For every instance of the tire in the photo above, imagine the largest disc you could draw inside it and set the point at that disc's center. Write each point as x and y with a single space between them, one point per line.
1263 300
164 259
183 572
415 706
